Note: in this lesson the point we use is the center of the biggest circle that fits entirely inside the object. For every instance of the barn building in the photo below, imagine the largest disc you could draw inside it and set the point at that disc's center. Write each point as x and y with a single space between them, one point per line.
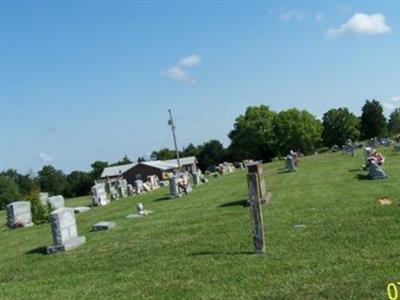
160 168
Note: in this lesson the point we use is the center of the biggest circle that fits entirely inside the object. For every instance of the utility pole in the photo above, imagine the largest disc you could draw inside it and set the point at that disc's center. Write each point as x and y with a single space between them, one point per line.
171 123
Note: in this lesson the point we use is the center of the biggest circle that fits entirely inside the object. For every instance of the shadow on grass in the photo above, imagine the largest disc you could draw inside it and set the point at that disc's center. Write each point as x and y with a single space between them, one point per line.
284 172
355 170
243 203
163 198
205 253
38 250
362 177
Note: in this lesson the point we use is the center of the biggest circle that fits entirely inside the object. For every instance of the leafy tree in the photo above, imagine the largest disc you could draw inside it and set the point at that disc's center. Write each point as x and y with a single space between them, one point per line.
9 191
124 161
79 183
164 154
210 154
296 130
190 150
373 122
97 168
25 183
51 180
394 121
253 135
141 159
338 126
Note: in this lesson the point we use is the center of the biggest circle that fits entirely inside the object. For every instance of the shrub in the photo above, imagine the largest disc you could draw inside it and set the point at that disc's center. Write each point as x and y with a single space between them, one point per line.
40 211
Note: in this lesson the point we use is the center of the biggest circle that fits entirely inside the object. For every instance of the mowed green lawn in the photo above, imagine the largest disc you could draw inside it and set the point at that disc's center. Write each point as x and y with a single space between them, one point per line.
199 246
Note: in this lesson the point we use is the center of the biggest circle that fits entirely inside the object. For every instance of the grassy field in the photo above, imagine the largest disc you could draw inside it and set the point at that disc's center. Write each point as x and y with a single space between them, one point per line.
199 246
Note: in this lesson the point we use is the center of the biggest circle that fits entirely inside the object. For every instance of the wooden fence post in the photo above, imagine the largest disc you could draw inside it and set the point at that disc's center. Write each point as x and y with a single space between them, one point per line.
256 212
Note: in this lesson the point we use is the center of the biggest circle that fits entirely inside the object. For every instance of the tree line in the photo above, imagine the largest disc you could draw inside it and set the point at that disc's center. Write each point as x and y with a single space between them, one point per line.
260 133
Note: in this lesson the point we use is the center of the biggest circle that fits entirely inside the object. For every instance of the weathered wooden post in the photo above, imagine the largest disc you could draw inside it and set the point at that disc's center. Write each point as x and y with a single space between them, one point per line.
256 167
256 212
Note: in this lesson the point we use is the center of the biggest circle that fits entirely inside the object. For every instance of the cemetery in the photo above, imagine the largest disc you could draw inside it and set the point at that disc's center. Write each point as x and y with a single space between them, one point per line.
262 232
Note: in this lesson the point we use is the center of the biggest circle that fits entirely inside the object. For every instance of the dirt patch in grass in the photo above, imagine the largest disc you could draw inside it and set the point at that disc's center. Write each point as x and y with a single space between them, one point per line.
384 201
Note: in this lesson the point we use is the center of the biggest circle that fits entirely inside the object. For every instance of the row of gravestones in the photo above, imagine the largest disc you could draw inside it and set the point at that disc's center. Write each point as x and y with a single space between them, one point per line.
63 224
120 189
225 168
62 219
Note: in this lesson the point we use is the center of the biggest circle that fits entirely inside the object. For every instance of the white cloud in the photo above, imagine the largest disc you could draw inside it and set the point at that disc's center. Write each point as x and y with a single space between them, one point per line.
176 73
396 99
319 17
179 71
361 23
389 106
293 15
190 61
46 158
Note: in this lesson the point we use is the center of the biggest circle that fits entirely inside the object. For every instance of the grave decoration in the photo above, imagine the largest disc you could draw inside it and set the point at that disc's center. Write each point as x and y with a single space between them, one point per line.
139 212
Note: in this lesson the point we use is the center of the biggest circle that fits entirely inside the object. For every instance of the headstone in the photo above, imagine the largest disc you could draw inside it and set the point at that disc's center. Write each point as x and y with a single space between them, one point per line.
122 187
81 209
256 213
349 148
147 187
375 171
257 168
290 164
99 195
196 178
174 190
64 231
108 186
122 192
19 214
139 186
130 189
103 225
56 202
335 148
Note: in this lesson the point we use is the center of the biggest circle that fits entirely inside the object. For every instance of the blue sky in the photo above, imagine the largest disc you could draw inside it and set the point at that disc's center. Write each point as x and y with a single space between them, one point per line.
85 80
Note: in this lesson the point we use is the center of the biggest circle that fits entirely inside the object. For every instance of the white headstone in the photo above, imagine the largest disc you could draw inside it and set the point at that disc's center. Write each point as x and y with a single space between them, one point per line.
99 195
64 231
19 214
173 187
56 202
196 178
290 163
